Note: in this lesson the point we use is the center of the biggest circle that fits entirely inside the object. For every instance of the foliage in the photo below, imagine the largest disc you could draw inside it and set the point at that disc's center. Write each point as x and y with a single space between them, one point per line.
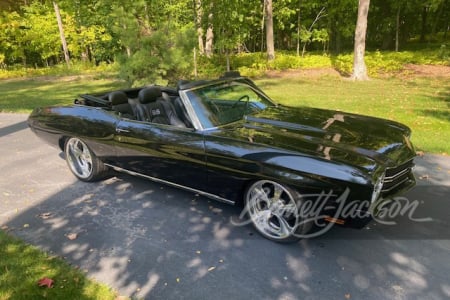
101 70
22 266
107 31
40 34
161 58
387 62
378 63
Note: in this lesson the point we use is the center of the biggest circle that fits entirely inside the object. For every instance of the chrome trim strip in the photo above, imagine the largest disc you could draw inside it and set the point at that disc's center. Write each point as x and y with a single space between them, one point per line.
399 174
385 190
212 196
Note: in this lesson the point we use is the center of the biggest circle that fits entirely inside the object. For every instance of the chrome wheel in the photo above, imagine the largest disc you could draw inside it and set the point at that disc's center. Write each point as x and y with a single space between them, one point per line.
79 158
273 210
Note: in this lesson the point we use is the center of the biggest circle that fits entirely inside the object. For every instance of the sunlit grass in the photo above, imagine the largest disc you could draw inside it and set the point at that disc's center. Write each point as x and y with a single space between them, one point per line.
25 95
421 103
21 266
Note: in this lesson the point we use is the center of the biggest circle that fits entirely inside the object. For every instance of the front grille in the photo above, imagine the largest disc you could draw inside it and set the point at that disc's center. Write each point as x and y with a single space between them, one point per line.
396 176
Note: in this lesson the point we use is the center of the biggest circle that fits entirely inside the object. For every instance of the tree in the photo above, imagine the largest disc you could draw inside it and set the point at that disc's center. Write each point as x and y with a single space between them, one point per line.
157 39
61 33
308 35
209 41
198 15
12 39
359 65
269 30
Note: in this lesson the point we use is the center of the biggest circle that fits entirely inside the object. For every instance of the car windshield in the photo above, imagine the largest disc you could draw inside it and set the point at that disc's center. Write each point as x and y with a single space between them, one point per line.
224 103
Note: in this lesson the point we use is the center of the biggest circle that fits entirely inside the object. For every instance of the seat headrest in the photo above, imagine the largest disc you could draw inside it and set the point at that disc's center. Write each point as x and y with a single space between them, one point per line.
149 94
118 97
166 97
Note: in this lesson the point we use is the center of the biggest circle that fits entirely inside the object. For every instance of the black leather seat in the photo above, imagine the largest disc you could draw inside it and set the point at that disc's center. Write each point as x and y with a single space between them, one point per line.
181 112
156 109
119 103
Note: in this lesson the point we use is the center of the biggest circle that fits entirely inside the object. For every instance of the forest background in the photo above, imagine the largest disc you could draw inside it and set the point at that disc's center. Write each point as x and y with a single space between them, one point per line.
161 41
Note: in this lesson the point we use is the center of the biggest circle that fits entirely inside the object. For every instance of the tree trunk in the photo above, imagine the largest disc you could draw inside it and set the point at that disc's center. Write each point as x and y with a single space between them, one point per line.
298 27
269 31
438 18
423 31
397 29
209 41
263 21
195 64
198 23
201 48
62 35
359 65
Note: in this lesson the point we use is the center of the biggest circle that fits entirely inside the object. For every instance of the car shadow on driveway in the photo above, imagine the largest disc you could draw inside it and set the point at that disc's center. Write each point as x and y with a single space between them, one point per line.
10 129
153 241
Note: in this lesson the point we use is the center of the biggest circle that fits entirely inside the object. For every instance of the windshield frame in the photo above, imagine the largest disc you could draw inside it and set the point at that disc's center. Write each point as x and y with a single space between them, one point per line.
200 113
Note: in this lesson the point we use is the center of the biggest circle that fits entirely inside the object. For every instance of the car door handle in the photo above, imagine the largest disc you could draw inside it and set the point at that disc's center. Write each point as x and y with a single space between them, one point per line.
120 130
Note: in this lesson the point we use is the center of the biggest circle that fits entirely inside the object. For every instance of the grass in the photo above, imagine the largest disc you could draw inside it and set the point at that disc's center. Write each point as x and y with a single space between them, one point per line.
26 94
422 103
21 266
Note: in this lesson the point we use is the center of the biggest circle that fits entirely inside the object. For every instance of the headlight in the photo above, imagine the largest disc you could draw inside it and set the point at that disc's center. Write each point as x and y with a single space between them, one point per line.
377 189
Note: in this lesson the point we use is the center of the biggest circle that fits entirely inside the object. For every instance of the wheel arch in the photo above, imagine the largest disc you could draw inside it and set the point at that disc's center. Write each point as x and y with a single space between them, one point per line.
302 180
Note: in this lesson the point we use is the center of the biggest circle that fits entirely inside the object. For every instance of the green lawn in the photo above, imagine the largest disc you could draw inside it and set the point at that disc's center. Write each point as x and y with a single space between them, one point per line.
419 102
21 266
24 95
422 103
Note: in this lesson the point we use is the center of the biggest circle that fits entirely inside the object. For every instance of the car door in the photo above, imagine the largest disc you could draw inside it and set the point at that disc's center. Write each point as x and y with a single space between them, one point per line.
232 161
169 153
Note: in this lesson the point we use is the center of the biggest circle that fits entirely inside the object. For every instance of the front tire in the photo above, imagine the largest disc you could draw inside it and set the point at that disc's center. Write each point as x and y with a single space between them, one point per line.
274 210
82 162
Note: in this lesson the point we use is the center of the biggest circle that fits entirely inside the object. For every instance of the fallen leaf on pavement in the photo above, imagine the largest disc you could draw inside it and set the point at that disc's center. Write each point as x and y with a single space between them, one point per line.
211 269
45 282
45 215
72 236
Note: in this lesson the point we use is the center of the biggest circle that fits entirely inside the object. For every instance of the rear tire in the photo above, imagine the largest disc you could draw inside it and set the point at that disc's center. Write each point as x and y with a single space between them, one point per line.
274 210
82 162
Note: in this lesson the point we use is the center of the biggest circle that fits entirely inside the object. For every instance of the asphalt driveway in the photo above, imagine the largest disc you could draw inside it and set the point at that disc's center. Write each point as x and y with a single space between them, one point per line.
152 241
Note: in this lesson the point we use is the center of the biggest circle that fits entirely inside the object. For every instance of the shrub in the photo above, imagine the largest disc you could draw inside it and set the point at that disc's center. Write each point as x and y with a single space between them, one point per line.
161 58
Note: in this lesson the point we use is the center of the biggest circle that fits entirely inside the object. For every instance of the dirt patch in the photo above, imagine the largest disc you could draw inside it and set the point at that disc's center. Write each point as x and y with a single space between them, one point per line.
310 73
409 70
427 70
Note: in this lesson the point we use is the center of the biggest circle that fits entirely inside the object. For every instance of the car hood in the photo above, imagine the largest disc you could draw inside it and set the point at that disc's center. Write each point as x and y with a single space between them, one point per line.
361 141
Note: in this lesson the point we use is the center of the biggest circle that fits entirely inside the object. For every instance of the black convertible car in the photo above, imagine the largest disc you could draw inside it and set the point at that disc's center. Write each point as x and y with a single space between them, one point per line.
292 169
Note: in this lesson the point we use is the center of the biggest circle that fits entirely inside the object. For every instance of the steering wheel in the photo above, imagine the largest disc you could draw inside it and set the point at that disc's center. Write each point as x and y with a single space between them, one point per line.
242 98
215 108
